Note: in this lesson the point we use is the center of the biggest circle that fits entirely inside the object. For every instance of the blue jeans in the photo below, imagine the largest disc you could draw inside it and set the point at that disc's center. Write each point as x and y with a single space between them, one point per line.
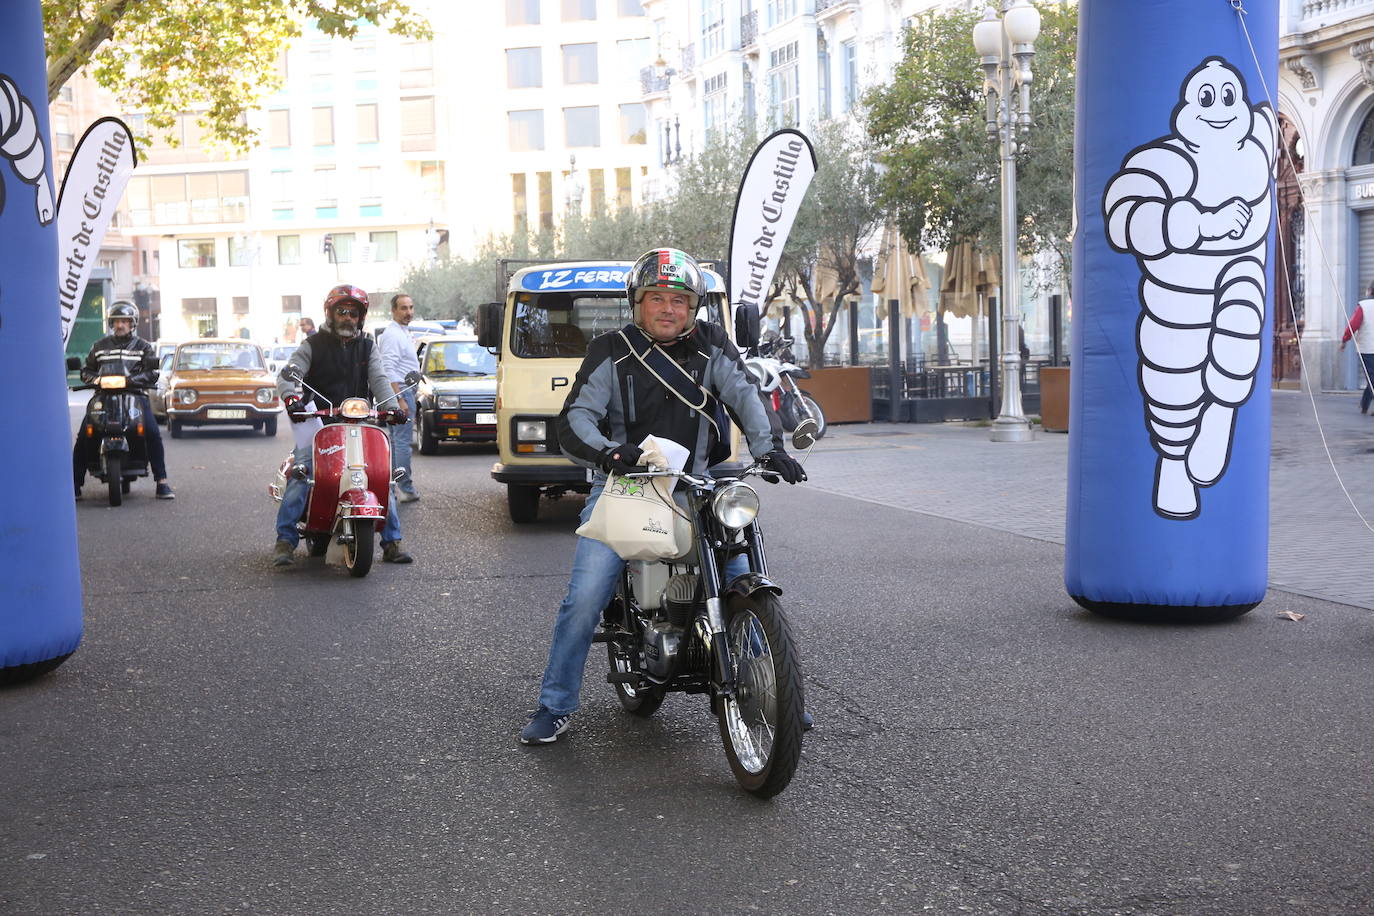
595 574
400 444
1367 395
293 507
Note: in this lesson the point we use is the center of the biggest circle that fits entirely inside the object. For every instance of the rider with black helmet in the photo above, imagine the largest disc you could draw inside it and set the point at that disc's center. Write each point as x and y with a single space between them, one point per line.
615 402
123 352
337 361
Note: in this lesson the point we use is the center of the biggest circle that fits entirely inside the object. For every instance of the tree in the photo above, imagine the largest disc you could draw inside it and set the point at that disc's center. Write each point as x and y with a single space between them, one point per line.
840 213
165 57
942 173
454 287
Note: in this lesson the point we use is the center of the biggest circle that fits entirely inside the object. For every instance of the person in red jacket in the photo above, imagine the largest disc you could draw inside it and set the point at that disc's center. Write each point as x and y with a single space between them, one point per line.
1361 327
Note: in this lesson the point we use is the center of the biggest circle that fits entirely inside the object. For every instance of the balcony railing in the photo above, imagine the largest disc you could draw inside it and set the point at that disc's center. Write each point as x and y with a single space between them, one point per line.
650 84
689 61
1327 9
749 29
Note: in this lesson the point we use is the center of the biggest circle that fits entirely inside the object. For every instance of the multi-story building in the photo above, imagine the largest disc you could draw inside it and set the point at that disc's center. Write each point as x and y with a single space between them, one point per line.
1326 186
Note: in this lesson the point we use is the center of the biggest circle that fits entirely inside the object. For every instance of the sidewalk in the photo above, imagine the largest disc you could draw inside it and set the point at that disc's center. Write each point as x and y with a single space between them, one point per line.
1318 546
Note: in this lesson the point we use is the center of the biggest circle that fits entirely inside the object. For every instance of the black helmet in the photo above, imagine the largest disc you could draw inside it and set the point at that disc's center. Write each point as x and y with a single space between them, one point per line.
121 308
665 268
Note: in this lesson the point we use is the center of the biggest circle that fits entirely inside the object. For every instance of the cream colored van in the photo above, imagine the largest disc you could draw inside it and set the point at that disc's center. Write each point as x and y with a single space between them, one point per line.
540 336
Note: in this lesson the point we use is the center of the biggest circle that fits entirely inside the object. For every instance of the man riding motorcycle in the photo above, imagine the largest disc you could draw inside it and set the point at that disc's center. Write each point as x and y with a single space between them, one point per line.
615 402
122 352
337 361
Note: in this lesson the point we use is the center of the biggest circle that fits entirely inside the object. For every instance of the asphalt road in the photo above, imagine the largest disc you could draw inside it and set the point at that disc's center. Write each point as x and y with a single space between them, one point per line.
234 738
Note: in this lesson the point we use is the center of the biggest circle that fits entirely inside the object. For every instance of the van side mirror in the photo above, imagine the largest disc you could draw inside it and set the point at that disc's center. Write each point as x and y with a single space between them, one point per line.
73 364
746 326
490 316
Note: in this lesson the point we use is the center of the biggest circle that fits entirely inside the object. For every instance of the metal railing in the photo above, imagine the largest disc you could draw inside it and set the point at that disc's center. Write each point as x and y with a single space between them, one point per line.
749 29
1313 9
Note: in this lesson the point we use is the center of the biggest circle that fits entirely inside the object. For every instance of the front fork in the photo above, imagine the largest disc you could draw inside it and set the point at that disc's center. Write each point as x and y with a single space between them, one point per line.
711 624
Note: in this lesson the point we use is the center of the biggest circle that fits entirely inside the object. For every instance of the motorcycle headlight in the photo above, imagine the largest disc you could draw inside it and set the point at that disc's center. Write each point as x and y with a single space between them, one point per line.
186 395
447 402
735 505
265 395
355 408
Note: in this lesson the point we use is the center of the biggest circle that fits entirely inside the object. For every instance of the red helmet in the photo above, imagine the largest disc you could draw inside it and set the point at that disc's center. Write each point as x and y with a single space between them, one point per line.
344 292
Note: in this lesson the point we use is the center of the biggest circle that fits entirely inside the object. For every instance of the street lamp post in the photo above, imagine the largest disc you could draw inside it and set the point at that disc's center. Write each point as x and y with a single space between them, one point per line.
1006 43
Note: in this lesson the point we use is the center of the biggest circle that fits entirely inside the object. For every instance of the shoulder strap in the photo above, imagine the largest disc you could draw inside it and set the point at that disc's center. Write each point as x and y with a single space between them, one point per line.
672 376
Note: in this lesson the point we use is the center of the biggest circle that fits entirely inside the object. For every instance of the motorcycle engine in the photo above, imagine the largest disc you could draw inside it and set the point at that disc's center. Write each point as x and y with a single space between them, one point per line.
680 597
661 642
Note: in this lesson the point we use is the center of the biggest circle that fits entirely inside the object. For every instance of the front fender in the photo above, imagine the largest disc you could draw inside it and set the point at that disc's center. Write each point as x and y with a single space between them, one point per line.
748 583
113 444
360 503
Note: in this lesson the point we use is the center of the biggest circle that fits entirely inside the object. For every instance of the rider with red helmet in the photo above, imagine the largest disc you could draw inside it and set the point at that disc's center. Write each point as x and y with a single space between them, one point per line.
339 363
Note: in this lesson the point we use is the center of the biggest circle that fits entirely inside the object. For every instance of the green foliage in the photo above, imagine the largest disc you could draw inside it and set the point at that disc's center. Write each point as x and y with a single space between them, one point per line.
454 287
942 171
164 57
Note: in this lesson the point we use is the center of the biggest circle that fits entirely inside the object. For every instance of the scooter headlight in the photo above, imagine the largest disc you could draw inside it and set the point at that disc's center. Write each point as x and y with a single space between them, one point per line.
735 505
355 409
113 381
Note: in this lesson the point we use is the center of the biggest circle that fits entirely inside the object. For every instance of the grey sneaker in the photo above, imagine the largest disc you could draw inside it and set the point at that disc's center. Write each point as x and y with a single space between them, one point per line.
392 553
408 497
284 553
544 727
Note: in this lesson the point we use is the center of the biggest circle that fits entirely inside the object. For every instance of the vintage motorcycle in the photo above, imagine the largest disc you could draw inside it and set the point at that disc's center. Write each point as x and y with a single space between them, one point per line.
349 477
774 368
679 625
116 452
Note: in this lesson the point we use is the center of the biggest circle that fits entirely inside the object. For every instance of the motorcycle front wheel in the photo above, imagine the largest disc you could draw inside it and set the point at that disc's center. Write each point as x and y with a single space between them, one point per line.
114 477
358 552
761 725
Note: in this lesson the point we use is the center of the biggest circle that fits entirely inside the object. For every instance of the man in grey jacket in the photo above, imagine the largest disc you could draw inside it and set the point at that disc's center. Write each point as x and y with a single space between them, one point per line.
615 402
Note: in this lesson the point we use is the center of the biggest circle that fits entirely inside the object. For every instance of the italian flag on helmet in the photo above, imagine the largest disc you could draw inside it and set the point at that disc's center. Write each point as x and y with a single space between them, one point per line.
666 268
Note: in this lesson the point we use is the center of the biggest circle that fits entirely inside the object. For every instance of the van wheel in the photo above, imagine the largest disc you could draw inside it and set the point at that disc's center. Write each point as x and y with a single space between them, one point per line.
523 502
174 428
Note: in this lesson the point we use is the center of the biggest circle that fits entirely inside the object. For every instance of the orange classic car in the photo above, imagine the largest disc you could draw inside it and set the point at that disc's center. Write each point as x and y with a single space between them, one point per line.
213 382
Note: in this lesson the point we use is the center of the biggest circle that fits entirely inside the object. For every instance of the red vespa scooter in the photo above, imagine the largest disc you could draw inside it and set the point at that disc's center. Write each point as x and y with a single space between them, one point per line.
349 480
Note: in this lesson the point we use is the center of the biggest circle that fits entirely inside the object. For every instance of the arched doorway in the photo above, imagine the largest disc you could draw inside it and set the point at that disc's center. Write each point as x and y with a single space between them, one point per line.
1289 303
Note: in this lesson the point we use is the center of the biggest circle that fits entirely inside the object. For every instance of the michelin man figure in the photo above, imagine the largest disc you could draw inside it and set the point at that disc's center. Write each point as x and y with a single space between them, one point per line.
1194 207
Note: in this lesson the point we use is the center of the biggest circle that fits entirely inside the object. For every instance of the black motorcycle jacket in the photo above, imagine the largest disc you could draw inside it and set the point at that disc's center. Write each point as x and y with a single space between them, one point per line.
615 400
338 370
132 357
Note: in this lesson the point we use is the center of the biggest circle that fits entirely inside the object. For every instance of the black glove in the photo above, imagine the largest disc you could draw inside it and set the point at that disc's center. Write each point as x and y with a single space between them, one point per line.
295 410
784 465
621 459
393 417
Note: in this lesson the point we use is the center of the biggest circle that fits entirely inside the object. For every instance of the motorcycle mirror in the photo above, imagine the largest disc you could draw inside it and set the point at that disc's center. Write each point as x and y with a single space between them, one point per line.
412 379
291 373
746 326
73 363
804 436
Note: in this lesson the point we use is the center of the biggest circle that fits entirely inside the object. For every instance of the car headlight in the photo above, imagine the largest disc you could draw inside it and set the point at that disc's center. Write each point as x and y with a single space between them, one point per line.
735 505
447 402
265 395
186 395
531 430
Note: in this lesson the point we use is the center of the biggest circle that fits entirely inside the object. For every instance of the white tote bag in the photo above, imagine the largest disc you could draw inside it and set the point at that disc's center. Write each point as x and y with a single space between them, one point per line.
634 516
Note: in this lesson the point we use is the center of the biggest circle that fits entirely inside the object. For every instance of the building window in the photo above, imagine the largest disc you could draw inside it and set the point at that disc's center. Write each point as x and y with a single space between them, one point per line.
632 56
367 123
519 203
240 252
780 11
240 305
713 102
596 184
343 247
579 63
62 131
712 28
326 193
849 68
545 200
623 196
279 128
66 94
322 122
578 10
633 124
783 94
370 190
321 60
417 123
364 55
526 130
195 253
583 126
1364 142
282 187
523 68
417 69
432 180
288 249
522 12
631 7
291 304
385 245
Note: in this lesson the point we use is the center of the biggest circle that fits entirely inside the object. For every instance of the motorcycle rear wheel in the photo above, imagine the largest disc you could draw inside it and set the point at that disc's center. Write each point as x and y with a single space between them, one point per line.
642 702
761 726
358 553
114 477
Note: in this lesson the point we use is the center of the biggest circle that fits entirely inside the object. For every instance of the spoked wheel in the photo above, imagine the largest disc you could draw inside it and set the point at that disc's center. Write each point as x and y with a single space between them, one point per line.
807 407
642 701
114 477
358 553
761 725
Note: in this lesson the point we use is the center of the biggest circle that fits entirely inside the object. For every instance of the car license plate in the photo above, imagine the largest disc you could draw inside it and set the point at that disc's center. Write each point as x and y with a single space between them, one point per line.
488 419
454 433
226 414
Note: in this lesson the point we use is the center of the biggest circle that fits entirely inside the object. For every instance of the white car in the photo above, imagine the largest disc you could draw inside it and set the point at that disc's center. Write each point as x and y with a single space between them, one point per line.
277 355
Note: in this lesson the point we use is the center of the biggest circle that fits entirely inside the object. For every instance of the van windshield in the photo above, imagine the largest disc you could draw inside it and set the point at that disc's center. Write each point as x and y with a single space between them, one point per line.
559 324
